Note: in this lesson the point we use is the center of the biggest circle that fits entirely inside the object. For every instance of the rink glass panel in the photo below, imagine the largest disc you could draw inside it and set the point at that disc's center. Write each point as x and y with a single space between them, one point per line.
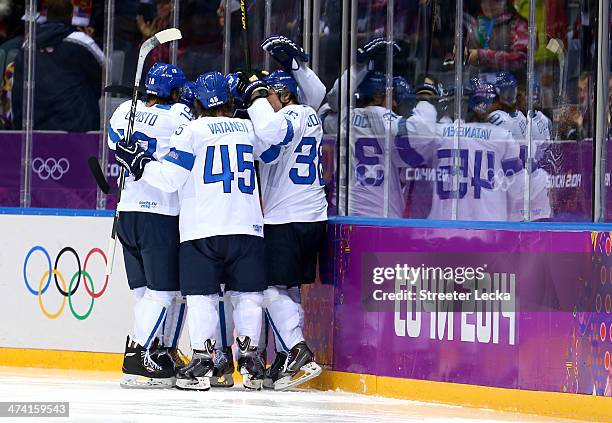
386 180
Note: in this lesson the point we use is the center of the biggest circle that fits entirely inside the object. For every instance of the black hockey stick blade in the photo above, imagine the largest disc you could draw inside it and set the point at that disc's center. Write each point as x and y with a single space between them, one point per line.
123 91
96 171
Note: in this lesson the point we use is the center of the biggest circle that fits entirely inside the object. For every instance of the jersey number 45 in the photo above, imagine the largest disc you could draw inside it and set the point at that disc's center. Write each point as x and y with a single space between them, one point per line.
246 185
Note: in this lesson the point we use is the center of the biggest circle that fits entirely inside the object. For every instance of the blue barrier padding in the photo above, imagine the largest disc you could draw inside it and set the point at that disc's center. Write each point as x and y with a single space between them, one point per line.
56 212
464 224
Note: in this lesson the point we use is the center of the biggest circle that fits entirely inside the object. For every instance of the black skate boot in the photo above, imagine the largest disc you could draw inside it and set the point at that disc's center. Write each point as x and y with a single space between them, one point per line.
250 365
224 369
274 372
141 369
196 374
299 359
170 358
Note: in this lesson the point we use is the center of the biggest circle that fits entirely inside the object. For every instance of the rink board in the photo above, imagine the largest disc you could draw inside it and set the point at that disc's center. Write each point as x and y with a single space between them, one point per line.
52 320
458 359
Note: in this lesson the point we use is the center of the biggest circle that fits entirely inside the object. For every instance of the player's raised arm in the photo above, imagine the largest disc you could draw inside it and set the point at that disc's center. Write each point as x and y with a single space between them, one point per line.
271 127
293 59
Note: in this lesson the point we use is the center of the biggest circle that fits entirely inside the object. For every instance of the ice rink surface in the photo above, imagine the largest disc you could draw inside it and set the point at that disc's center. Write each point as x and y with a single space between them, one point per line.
97 397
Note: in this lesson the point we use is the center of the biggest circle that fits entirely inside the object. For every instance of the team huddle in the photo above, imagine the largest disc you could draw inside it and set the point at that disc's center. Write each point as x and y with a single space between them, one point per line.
209 236
196 242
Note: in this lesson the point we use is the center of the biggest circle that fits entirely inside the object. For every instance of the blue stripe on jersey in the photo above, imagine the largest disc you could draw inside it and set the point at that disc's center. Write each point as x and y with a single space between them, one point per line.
270 154
402 131
289 134
181 158
164 106
114 136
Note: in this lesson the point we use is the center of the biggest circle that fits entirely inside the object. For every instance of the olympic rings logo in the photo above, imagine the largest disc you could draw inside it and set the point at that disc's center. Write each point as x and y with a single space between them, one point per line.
58 278
50 168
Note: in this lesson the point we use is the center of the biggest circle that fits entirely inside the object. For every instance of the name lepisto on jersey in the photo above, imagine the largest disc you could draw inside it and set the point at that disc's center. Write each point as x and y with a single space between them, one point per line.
153 126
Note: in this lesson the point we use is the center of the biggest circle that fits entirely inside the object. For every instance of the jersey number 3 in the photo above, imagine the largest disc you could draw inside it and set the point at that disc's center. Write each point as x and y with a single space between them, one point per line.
226 175
315 168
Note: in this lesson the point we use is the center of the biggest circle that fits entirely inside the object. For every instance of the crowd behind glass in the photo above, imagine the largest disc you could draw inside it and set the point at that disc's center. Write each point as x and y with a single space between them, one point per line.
426 129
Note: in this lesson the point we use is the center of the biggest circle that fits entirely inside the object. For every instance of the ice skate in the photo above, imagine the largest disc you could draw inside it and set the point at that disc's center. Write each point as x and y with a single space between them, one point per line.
141 369
170 357
273 372
196 374
250 364
300 359
224 369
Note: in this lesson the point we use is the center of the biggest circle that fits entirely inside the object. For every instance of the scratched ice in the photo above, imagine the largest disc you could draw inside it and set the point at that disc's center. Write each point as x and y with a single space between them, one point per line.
97 397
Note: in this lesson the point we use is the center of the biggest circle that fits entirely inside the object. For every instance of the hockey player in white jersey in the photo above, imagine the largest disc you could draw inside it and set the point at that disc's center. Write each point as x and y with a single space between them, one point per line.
485 154
148 232
295 215
507 115
211 165
310 91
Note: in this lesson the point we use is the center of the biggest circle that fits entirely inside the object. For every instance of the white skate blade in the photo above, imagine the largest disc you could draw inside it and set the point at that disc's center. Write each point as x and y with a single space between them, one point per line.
251 384
143 382
311 370
247 382
197 384
268 383
225 381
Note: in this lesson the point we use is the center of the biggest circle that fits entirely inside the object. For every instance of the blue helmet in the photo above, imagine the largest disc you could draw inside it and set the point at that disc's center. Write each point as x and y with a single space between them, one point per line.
278 80
162 78
232 82
482 95
402 91
374 83
506 87
188 93
212 89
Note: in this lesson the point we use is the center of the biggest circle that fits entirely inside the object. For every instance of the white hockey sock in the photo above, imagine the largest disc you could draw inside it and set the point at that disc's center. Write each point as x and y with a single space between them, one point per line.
173 324
248 314
203 318
284 316
138 293
296 296
224 336
149 315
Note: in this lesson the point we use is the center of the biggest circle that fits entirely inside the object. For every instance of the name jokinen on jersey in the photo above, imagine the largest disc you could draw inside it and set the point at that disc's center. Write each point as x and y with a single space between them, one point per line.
153 127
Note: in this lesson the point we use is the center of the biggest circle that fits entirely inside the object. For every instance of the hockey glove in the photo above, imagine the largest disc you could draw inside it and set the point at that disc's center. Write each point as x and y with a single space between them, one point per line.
132 157
375 49
250 88
285 51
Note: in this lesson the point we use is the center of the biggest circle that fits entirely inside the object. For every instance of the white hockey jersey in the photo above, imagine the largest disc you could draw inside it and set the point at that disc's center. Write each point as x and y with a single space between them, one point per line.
517 124
153 127
484 152
291 171
368 151
211 164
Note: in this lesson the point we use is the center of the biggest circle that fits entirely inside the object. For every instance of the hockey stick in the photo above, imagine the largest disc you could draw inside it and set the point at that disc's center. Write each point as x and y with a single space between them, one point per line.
98 174
123 91
245 36
161 37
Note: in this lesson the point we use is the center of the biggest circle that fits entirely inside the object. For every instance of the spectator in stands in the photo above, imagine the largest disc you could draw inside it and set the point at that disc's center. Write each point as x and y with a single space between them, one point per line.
160 22
497 39
68 75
